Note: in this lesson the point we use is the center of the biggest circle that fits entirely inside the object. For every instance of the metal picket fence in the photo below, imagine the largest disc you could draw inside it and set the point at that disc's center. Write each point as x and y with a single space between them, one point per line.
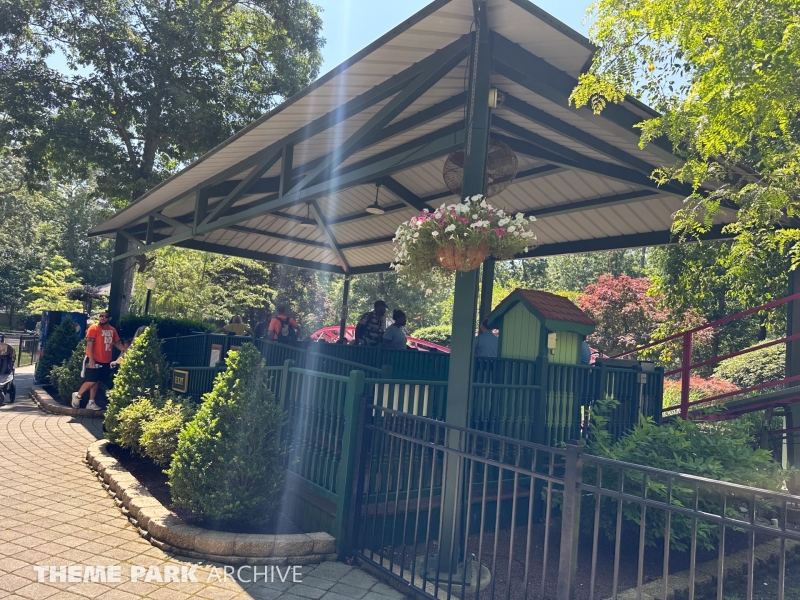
533 521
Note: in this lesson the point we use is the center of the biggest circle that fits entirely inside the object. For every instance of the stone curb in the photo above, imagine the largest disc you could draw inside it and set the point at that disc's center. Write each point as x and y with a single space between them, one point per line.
48 404
169 533
705 580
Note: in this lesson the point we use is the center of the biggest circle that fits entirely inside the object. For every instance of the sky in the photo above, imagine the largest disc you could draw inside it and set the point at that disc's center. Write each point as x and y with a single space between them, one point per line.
349 25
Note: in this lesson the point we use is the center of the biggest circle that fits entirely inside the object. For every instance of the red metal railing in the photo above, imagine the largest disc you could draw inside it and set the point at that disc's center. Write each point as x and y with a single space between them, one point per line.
686 357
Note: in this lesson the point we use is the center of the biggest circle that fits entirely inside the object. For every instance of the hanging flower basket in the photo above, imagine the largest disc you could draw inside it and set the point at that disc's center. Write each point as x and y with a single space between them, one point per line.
453 258
459 237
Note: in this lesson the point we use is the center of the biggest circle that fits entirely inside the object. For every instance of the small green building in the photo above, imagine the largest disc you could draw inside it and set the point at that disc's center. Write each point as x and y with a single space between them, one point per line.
532 323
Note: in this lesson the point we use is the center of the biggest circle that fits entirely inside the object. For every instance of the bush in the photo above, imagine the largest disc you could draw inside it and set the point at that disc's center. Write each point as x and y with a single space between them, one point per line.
167 326
229 464
159 437
59 347
66 377
705 450
438 334
759 366
699 389
143 372
130 424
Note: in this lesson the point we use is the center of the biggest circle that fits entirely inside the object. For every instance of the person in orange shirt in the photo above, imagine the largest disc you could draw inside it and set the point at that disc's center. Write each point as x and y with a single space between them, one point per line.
101 338
283 328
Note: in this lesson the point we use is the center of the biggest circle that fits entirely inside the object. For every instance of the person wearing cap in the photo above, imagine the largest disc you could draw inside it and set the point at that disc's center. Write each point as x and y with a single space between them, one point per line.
372 325
100 341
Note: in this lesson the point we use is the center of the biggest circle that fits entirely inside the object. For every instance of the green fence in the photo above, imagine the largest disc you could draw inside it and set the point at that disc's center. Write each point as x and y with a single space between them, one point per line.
535 401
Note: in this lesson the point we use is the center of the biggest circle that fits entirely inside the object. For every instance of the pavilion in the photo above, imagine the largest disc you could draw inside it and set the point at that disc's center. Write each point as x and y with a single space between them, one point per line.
300 185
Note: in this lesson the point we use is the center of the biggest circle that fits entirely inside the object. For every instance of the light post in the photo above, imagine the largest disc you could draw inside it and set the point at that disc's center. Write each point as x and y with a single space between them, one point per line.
150 284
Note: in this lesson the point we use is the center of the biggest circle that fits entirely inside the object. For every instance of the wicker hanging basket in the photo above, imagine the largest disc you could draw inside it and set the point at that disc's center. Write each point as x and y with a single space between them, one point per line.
462 259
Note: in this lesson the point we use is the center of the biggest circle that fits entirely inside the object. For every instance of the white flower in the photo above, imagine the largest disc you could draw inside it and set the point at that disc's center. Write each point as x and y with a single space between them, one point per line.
416 235
435 233
503 222
519 216
451 237
511 229
476 197
501 214
483 203
474 216
450 228
437 215
531 218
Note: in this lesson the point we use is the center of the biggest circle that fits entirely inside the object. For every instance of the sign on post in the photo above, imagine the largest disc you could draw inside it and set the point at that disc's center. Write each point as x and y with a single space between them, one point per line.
180 381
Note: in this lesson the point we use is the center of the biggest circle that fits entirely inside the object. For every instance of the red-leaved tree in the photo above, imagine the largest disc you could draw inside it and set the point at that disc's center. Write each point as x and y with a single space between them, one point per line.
625 315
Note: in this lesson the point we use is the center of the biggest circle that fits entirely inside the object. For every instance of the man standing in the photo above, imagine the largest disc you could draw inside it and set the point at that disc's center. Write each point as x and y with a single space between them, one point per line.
100 339
485 343
283 328
394 337
372 325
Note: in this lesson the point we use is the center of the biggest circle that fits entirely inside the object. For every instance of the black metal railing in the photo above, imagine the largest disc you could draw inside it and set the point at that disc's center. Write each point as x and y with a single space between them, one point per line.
26 347
519 520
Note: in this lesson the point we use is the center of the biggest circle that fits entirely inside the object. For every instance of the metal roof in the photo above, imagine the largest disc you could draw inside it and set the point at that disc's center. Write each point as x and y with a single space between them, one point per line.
390 115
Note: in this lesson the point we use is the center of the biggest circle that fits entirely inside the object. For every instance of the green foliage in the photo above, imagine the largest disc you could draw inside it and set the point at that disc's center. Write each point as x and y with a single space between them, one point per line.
58 348
438 334
705 450
150 425
130 423
159 432
167 326
50 287
699 389
753 368
724 77
150 86
66 377
143 372
203 286
229 464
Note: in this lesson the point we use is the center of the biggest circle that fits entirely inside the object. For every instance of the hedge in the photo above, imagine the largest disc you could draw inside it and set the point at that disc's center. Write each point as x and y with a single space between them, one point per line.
167 326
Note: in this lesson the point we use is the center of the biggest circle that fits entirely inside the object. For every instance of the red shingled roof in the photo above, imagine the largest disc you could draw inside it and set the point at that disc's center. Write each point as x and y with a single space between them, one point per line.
555 307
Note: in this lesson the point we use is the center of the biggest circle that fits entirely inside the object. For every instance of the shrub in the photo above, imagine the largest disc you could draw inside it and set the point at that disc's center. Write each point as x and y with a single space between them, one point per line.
167 326
59 347
759 366
130 424
66 377
229 464
159 433
699 389
705 450
438 334
143 372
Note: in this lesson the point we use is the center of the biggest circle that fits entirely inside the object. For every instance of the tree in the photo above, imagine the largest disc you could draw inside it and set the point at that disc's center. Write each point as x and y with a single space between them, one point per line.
50 288
59 347
624 313
153 84
726 78
230 463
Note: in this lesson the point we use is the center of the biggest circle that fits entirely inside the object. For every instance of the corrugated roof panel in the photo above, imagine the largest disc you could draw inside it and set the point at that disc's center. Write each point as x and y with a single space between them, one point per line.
582 118
555 137
551 40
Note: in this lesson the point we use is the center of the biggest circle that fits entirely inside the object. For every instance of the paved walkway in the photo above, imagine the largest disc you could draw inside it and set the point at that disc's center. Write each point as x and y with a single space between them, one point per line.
54 513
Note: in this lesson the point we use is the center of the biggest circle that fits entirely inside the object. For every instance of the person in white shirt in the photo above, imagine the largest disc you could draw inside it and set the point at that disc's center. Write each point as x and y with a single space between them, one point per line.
394 337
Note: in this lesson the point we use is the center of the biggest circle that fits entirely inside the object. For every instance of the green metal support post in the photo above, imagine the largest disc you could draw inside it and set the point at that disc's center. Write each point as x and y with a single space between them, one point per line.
465 299
117 280
346 475
345 298
487 287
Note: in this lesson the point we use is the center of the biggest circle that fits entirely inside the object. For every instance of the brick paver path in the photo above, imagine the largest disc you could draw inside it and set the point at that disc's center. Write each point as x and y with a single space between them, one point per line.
54 512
